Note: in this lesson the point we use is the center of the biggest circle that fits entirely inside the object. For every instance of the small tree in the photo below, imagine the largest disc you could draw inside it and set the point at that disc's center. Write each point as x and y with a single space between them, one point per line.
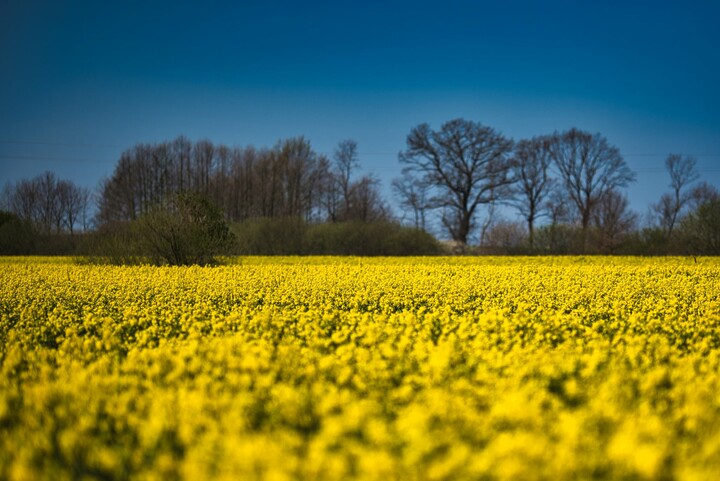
682 173
184 229
613 221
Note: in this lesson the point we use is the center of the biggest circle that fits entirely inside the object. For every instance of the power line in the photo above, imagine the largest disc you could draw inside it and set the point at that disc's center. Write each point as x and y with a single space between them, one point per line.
373 153
51 159
646 170
60 144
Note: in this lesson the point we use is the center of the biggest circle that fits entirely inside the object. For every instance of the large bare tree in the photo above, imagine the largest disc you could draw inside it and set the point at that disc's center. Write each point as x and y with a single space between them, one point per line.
589 167
466 163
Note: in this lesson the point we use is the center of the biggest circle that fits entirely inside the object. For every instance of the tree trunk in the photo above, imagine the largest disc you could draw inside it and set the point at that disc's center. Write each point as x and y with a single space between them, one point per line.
531 231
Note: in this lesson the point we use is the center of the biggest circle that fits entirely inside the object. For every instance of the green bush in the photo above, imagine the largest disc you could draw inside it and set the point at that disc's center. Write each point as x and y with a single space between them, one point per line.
185 229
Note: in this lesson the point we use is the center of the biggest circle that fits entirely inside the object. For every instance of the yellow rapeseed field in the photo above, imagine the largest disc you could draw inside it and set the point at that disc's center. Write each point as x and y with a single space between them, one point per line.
354 368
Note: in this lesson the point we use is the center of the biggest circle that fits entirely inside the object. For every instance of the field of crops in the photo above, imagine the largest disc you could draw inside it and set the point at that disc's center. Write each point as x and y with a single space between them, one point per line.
356 368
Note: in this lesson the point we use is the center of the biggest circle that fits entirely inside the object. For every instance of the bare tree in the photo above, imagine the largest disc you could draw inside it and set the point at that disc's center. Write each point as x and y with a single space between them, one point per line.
288 180
24 200
589 168
50 215
203 157
117 198
703 193
366 204
682 173
73 204
488 222
51 205
506 235
613 221
313 192
296 161
412 193
466 163
531 168
180 151
557 207
329 191
346 160
219 189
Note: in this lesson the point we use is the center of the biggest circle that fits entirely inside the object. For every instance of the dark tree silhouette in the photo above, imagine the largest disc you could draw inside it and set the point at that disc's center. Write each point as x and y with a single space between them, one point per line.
49 204
682 174
589 167
346 161
613 221
466 163
183 229
531 169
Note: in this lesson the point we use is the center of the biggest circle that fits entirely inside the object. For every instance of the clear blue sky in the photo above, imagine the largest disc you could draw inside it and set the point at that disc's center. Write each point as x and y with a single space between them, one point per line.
83 80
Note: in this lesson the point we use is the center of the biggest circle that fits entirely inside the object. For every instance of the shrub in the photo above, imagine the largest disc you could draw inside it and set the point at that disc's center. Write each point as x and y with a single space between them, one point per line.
185 229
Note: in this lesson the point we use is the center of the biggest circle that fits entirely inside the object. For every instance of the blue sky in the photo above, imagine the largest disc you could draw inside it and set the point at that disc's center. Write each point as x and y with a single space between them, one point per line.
82 81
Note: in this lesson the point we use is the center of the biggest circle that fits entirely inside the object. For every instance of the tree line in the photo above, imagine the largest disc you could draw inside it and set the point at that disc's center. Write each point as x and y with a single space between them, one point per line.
458 180
573 179
289 180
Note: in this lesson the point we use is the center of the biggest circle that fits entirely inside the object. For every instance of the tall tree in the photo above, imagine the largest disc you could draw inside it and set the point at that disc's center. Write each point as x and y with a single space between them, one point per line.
346 160
531 168
203 158
73 204
589 167
466 163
